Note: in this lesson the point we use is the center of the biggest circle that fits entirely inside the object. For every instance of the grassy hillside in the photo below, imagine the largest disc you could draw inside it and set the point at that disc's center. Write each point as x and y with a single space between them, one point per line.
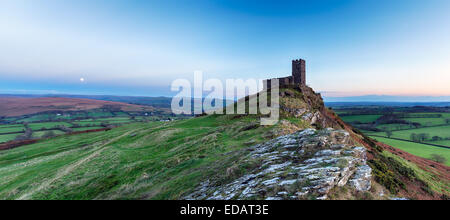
157 160
142 160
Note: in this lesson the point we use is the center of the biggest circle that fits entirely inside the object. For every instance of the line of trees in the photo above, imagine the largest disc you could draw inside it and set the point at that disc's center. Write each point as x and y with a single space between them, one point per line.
422 137
27 135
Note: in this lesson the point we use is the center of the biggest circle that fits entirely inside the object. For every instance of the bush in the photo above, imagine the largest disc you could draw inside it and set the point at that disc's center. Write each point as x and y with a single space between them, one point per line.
64 128
26 136
438 158
49 134
389 134
388 172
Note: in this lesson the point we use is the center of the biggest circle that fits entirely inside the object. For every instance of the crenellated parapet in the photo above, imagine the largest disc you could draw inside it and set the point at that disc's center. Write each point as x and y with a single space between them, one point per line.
298 75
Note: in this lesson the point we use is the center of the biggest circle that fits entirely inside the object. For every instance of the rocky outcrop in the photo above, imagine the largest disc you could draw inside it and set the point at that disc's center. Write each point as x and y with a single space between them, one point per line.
304 165
361 179
303 103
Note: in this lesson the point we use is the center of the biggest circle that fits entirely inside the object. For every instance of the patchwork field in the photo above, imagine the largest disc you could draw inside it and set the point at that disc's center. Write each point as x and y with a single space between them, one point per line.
418 127
11 131
47 125
441 131
87 128
393 127
39 134
31 118
361 118
11 107
8 137
11 128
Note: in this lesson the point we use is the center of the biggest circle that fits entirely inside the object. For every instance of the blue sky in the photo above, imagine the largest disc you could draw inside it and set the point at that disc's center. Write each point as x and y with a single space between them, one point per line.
352 47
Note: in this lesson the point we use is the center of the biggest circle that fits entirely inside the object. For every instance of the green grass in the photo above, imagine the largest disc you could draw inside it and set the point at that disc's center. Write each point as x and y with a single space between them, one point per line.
11 128
71 116
40 117
83 123
433 181
115 120
441 131
159 161
425 114
119 114
8 137
48 125
39 134
443 142
66 116
391 127
51 117
86 128
421 150
427 121
361 118
97 114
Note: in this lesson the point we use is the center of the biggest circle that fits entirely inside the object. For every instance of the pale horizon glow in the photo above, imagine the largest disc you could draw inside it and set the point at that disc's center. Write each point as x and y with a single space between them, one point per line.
118 47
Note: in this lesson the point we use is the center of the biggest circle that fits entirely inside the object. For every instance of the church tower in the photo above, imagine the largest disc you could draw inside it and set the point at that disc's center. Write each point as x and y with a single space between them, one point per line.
299 72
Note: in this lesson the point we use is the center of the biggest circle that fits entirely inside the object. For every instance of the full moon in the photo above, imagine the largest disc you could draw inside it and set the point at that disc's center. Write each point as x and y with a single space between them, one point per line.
81 79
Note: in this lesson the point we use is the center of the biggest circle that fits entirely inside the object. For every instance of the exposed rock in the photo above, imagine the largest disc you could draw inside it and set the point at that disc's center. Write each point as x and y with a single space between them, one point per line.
361 179
305 164
399 199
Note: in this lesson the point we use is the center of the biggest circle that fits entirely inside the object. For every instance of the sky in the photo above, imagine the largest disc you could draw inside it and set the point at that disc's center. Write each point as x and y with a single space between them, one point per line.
130 47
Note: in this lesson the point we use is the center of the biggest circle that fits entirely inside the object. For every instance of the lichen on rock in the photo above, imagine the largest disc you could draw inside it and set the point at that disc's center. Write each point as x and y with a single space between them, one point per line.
304 165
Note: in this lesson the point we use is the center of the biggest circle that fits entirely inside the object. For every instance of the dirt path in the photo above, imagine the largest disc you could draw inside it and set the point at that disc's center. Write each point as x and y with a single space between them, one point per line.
71 167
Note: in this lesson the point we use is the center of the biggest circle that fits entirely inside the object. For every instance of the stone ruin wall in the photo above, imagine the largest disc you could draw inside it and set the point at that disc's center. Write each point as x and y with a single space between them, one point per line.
298 76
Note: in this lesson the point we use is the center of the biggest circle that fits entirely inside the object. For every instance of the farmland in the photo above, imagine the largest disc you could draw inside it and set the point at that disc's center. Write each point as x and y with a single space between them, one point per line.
418 149
16 107
361 118
422 131
40 128
28 118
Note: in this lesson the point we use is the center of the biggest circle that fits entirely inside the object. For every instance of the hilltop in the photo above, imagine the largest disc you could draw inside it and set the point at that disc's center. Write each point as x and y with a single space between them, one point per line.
310 154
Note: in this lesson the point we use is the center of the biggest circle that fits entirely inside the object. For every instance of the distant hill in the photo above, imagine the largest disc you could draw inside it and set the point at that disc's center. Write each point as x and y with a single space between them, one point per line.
161 103
158 102
11 106
390 99
388 104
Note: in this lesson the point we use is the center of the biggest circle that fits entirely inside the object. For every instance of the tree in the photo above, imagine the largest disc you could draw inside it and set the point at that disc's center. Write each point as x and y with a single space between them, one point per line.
425 137
438 158
26 136
416 124
447 121
436 138
414 137
65 129
389 134
422 137
49 134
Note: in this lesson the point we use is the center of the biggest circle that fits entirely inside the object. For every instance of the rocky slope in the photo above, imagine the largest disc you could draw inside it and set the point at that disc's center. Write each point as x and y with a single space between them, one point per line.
315 155
303 165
